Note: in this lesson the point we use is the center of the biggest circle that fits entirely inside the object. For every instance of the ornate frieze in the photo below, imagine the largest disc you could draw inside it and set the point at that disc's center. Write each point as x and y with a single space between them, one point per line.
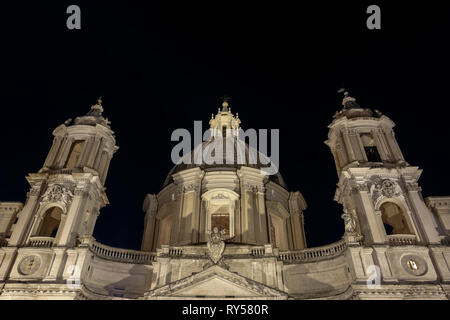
220 196
58 193
384 188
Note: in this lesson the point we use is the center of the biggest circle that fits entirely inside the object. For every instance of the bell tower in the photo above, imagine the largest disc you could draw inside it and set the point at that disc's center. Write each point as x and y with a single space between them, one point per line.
68 192
378 189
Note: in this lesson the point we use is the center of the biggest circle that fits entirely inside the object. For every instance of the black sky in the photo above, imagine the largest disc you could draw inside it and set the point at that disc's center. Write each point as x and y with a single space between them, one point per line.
160 66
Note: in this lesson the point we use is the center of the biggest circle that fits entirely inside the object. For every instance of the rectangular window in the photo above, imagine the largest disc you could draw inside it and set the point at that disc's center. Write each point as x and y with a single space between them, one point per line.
74 154
221 221
370 147
372 154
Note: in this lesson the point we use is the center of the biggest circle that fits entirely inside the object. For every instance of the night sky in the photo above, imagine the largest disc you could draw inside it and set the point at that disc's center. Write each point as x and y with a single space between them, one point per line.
161 66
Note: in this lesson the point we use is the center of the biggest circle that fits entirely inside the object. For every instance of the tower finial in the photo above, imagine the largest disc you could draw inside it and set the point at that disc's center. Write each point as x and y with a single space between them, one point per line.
343 90
99 100
225 102
348 101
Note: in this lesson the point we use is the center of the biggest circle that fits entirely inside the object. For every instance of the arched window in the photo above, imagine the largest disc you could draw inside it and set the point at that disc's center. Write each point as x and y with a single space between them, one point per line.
74 154
50 223
394 219
219 205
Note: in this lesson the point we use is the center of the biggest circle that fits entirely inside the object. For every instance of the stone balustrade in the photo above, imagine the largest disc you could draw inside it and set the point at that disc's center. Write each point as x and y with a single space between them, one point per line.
45 242
258 251
402 239
175 252
121 255
314 254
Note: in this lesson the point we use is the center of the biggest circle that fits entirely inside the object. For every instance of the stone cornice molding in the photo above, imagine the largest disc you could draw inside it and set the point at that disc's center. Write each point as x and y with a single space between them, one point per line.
216 271
401 290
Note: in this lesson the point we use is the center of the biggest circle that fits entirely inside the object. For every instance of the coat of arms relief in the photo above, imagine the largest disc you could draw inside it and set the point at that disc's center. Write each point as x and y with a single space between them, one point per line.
216 247
59 194
384 188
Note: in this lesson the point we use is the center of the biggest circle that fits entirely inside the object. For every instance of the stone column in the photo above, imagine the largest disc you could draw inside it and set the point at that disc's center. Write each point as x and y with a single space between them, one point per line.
440 257
367 209
392 142
175 236
269 272
150 223
262 217
7 258
379 141
297 231
348 147
57 264
20 232
104 170
98 156
50 161
34 225
92 220
356 145
383 263
195 215
165 271
362 152
189 205
66 237
248 214
237 222
423 214
65 152
93 153
204 213
353 255
88 144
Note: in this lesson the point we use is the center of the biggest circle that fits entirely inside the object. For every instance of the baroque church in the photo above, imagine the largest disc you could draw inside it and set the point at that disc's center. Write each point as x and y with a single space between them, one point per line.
228 231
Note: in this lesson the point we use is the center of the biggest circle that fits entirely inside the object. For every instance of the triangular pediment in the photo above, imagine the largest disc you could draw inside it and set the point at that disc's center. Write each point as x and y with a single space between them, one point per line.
216 283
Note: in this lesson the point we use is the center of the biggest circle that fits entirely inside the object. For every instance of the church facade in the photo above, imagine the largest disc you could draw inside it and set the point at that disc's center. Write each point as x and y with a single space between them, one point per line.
228 231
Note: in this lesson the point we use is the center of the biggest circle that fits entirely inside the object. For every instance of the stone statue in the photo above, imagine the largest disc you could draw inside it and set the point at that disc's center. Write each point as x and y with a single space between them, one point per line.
350 225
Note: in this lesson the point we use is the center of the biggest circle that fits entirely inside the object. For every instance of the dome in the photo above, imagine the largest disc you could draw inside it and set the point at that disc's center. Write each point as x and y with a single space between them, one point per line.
248 160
